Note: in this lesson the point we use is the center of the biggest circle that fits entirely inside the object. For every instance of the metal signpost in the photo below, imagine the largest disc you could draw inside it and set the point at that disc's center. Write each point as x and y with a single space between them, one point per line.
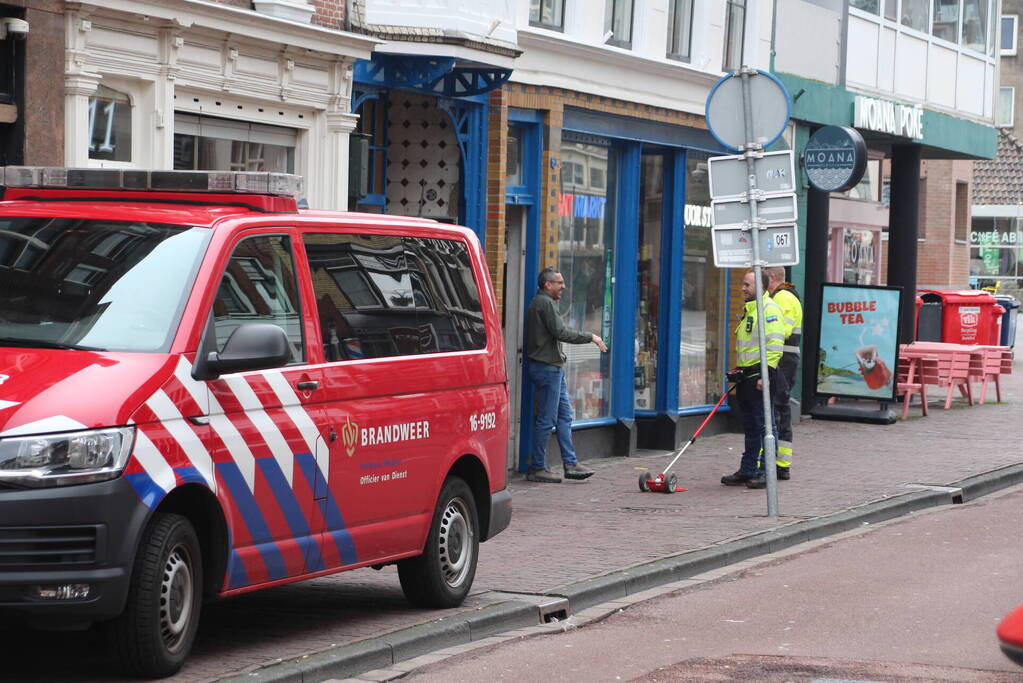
754 216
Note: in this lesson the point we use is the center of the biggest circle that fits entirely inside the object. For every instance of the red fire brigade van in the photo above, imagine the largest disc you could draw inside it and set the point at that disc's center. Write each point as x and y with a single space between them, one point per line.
206 391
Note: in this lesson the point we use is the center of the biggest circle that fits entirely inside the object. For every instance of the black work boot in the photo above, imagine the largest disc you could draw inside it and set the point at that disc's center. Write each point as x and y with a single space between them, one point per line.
737 479
757 482
783 473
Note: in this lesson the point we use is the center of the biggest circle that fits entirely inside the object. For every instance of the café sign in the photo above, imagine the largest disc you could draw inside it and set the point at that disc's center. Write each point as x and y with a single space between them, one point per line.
884 116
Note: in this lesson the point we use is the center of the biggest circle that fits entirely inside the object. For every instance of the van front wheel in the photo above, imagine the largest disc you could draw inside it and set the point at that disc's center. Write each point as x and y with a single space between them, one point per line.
154 634
443 574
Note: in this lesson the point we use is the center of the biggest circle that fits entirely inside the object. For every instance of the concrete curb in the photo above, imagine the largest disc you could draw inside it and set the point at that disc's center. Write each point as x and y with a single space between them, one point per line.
385 651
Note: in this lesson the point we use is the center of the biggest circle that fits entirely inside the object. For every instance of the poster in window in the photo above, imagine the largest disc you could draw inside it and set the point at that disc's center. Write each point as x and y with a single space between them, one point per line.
858 355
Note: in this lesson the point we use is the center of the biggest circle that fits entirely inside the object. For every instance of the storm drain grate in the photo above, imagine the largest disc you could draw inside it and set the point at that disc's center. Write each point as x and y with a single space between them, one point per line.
954 492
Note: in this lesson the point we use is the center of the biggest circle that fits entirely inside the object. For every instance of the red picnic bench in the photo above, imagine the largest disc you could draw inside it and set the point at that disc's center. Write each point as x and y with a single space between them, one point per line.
949 366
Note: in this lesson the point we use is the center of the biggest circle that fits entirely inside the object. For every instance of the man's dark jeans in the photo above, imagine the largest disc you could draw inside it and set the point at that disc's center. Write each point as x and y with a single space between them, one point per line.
553 410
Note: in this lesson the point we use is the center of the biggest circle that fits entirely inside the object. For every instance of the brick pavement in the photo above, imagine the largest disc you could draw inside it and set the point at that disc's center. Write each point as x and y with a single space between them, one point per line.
565 533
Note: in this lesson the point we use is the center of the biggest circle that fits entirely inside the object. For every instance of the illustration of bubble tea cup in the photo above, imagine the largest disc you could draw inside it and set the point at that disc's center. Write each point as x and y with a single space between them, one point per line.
874 370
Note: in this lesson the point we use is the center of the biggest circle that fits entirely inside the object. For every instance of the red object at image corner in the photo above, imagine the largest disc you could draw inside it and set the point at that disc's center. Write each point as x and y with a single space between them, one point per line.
1010 635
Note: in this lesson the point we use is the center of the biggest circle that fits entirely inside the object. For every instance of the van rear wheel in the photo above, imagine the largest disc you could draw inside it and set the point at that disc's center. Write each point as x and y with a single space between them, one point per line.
154 634
443 574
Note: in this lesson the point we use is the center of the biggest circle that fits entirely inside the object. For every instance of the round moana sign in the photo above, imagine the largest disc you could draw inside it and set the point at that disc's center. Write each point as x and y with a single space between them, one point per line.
835 158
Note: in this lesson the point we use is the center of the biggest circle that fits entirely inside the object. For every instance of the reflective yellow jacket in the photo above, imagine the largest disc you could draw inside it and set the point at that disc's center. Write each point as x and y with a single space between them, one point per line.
747 347
792 316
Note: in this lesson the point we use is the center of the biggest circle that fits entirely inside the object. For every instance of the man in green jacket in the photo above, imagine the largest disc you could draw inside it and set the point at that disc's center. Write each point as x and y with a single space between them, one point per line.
546 370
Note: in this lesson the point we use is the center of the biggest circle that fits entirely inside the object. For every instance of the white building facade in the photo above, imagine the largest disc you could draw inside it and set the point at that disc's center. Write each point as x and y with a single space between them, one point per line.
187 84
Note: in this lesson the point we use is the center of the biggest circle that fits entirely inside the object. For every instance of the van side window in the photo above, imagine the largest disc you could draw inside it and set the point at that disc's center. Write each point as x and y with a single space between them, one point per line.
380 296
442 280
259 286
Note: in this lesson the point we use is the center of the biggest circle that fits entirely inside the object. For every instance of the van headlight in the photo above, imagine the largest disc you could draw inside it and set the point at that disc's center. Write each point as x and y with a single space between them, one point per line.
68 458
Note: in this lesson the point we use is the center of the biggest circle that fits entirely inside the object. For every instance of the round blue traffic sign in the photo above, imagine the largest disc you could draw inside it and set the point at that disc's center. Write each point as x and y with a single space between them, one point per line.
725 110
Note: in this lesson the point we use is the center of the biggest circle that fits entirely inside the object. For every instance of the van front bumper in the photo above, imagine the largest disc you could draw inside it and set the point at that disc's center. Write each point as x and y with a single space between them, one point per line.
54 541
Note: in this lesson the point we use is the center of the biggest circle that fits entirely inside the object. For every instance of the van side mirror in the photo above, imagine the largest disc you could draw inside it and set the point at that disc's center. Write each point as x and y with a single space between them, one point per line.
252 346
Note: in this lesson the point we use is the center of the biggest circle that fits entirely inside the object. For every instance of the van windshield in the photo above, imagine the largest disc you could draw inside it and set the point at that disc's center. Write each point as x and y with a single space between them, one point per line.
95 284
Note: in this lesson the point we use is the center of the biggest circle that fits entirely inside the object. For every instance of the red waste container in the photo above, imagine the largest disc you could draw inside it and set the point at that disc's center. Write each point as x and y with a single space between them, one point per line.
966 315
916 316
994 336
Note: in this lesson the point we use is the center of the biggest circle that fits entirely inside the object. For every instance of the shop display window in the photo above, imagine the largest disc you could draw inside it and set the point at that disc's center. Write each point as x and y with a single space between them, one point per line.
205 143
704 304
585 259
648 272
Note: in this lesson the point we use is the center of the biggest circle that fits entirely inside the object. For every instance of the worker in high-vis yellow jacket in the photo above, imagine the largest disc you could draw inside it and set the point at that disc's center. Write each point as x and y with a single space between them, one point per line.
750 384
785 295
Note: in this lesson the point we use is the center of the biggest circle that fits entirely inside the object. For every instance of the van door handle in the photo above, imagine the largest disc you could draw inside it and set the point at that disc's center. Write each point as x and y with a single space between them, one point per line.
308 385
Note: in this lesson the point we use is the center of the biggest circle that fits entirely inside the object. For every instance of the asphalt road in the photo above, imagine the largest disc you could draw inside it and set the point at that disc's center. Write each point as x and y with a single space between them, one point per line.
916 599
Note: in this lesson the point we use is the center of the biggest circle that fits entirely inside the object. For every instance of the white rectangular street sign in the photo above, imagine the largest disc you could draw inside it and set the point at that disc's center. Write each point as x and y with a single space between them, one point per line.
733 247
771 210
774 172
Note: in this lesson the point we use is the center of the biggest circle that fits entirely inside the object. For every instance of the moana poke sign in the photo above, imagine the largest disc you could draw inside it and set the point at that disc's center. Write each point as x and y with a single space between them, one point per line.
859 341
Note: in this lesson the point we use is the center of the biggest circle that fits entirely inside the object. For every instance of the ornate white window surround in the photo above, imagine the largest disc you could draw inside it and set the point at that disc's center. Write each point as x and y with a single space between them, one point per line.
176 60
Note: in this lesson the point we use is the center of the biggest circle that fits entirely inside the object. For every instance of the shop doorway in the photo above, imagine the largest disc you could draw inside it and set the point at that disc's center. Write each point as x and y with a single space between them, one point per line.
513 315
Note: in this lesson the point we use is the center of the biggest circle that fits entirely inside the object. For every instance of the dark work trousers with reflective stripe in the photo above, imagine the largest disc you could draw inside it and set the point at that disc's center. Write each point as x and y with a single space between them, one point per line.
782 407
751 411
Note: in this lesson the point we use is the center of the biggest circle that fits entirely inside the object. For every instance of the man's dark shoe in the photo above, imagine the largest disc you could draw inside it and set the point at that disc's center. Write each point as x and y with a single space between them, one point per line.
544 476
783 473
737 479
757 482
577 471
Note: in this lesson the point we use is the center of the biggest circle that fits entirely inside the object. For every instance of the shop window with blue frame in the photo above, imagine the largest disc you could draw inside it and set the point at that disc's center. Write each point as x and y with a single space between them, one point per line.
704 296
109 125
373 126
585 259
618 22
648 275
514 172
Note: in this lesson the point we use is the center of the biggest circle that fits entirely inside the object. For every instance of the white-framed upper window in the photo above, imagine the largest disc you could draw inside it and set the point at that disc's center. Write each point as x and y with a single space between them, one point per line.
548 14
1007 46
1006 106
945 20
618 22
735 34
680 29
966 23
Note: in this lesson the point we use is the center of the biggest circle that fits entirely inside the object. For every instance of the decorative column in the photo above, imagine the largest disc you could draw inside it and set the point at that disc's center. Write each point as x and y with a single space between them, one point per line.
326 183
331 192
79 85
162 131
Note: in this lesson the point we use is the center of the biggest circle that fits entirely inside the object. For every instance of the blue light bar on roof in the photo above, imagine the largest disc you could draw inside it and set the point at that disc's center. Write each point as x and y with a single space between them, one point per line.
235 182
